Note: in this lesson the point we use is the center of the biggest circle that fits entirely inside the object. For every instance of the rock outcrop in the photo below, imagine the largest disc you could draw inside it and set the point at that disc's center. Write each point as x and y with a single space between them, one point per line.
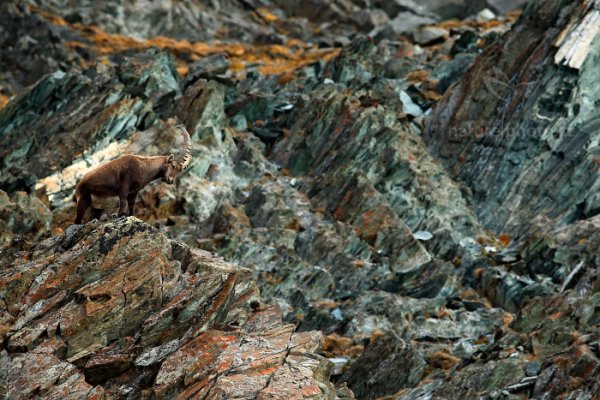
117 310
520 130
23 218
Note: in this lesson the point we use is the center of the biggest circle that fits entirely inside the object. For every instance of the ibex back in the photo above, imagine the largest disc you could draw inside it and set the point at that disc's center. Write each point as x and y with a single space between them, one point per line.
125 177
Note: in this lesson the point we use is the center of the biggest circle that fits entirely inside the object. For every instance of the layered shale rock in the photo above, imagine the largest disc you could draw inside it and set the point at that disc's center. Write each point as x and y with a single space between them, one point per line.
551 349
118 310
77 119
521 129
23 218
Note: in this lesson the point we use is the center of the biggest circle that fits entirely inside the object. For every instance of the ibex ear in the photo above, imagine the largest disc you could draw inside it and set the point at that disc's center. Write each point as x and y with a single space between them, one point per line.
171 158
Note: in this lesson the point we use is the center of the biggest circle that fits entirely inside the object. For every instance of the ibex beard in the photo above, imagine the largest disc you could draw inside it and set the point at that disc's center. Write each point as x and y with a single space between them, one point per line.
125 177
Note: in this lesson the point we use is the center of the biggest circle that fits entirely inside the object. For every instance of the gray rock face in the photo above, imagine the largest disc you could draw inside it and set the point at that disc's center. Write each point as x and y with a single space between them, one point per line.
504 6
337 199
429 35
386 366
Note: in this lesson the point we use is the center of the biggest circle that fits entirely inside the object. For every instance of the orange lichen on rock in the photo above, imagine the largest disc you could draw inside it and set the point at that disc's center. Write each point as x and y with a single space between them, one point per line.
3 100
443 360
266 15
270 59
504 239
337 345
417 75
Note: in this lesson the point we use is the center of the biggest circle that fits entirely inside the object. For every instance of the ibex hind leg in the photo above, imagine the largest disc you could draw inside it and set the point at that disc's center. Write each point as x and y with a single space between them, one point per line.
97 213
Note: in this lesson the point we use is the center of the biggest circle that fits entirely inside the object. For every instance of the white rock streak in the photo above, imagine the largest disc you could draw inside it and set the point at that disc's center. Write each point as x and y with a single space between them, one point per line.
575 41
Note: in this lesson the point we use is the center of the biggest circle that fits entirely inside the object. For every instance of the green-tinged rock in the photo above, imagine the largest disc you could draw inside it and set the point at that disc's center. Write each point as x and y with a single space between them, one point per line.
112 304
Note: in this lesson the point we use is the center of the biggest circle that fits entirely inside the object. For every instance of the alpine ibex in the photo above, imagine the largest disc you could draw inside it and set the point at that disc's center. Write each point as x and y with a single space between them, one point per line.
126 176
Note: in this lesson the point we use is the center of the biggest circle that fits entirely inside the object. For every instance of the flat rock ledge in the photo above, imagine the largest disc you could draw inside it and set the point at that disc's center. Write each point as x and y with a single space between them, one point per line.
117 310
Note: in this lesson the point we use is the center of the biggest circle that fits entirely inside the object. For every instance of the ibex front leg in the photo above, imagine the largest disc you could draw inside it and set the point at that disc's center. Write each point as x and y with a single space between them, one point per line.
131 201
123 193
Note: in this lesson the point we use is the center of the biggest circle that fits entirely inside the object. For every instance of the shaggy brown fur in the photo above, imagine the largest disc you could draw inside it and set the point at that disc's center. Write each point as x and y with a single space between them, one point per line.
125 177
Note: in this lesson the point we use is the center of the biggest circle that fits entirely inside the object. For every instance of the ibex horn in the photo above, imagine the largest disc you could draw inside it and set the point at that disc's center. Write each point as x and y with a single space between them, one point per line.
187 158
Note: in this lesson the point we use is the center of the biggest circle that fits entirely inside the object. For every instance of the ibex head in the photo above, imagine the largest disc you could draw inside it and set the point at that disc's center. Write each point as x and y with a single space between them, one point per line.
170 169
171 166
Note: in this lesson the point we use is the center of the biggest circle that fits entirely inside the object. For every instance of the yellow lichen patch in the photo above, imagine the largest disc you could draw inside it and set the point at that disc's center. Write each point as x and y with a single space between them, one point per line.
478 273
432 95
54 19
555 316
286 78
443 312
376 335
507 318
482 340
329 304
469 294
450 24
271 278
266 15
182 70
509 18
443 360
3 100
336 345
418 75
504 239
269 59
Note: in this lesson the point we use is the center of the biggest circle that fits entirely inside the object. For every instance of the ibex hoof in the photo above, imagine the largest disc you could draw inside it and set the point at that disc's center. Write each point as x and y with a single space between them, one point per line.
114 215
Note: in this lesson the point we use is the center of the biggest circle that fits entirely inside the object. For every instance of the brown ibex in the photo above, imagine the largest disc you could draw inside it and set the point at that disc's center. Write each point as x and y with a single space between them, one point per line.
126 176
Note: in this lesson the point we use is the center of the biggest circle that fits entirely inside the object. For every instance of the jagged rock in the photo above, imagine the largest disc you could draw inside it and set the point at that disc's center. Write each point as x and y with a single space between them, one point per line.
206 68
202 111
430 35
387 366
31 48
504 6
22 217
448 9
448 72
398 68
346 236
486 15
523 118
403 23
113 105
394 7
102 300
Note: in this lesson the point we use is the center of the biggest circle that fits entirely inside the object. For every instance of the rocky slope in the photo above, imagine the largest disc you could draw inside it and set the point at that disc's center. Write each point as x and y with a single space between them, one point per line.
436 259
117 310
